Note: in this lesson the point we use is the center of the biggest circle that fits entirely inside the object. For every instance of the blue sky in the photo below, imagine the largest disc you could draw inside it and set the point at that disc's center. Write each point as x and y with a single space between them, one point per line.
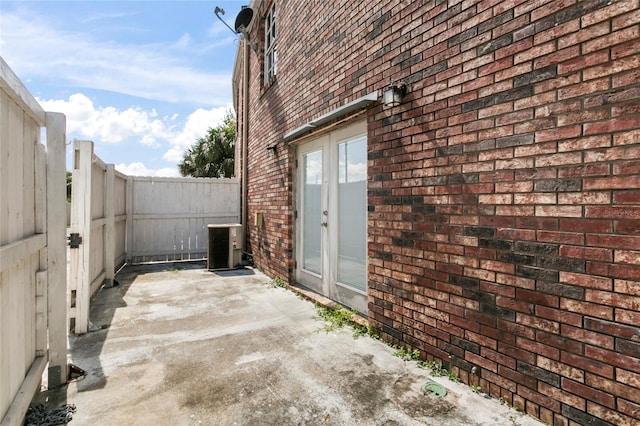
142 79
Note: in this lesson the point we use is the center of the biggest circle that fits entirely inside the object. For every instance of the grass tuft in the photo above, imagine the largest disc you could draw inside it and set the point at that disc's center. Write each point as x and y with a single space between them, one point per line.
338 318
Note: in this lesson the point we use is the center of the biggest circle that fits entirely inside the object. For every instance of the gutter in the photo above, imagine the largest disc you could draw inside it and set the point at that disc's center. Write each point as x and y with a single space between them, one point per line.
245 137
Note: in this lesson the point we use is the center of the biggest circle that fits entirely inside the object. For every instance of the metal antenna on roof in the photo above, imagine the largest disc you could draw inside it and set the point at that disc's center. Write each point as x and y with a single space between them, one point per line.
219 11
243 20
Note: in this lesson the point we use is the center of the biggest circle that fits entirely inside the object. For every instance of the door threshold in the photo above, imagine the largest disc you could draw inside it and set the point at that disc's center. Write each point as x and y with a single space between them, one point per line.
314 296
324 301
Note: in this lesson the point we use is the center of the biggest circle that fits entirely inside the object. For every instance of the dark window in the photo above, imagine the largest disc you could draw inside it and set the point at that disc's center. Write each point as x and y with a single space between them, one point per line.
270 50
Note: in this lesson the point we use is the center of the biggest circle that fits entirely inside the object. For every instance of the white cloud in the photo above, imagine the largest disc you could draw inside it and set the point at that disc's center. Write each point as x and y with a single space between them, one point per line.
356 172
195 127
105 16
182 42
111 125
139 169
149 71
44 50
108 124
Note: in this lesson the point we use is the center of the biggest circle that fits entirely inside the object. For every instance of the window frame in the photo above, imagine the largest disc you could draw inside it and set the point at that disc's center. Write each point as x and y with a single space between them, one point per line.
270 57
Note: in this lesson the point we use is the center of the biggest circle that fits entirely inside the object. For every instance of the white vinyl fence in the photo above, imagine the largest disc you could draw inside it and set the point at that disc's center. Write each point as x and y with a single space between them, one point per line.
32 248
98 229
170 216
117 218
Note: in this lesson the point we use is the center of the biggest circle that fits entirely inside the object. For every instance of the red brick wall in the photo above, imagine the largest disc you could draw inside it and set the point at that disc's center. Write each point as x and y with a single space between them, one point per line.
504 193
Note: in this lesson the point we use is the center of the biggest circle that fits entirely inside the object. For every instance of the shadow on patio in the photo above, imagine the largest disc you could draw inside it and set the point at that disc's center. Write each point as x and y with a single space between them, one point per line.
182 345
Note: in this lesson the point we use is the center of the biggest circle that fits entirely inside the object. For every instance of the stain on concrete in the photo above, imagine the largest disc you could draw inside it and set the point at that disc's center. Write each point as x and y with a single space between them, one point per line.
190 347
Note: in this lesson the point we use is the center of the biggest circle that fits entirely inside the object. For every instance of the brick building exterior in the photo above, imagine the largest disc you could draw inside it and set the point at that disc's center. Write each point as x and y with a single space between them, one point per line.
502 194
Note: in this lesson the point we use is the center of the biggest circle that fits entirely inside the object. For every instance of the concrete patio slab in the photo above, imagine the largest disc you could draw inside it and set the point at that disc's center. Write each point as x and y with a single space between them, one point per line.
179 345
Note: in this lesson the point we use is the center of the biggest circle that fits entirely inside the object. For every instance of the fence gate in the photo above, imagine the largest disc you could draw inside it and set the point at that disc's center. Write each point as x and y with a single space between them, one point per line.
98 229
32 248
117 218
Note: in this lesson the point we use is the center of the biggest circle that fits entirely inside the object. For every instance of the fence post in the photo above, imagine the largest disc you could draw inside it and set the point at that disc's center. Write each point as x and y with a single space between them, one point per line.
129 223
81 217
57 296
109 228
41 227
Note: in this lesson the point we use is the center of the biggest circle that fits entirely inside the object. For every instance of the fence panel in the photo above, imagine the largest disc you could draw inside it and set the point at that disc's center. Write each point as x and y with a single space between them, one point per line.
120 218
169 216
29 209
92 228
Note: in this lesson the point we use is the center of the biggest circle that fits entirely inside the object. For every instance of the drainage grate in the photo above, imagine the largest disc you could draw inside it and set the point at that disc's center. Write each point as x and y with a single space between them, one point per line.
434 390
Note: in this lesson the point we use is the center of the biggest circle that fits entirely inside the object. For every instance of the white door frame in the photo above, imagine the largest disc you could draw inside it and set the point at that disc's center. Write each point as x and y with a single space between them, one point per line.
326 282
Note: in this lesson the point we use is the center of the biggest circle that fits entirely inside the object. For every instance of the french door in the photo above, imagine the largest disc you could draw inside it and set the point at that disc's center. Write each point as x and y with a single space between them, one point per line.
331 228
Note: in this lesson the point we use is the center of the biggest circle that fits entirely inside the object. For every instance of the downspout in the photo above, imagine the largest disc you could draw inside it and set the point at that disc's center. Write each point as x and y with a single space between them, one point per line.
245 137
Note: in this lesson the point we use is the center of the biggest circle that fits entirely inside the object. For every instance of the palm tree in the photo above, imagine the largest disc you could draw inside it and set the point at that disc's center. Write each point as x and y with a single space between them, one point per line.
69 176
213 154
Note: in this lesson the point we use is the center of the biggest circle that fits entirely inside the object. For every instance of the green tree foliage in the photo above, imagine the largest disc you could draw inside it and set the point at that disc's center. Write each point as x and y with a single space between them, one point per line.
213 154
68 185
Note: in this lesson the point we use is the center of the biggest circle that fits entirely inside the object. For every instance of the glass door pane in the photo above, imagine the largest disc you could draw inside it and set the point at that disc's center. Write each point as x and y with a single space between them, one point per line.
352 213
312 212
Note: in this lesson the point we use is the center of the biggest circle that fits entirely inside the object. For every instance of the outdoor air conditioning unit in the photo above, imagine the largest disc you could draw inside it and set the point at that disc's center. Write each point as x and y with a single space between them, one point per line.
225 246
